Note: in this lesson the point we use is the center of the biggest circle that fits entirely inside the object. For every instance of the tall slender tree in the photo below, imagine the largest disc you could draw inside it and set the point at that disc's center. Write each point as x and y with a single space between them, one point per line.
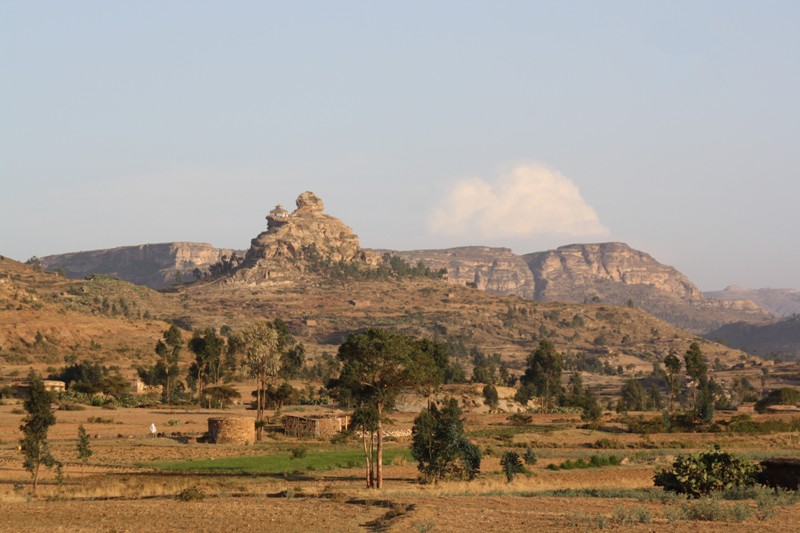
257 343
696 369
673 367
35 426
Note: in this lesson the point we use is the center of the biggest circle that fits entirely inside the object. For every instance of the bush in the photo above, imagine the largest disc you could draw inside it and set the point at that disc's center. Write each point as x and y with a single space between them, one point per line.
299 452
191 494
529 456
706 472
594 461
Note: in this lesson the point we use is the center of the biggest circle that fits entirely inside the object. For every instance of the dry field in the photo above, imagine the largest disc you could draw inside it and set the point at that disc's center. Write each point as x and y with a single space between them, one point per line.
119 489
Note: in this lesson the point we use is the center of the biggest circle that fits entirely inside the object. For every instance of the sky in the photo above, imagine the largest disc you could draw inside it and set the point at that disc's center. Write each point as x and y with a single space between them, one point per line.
670 126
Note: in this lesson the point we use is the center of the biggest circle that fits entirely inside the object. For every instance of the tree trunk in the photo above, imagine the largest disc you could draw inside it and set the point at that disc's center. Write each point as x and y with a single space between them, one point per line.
379 459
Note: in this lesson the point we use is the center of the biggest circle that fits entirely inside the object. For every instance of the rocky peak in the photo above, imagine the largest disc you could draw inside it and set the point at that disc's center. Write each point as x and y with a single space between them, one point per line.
291 238
308 201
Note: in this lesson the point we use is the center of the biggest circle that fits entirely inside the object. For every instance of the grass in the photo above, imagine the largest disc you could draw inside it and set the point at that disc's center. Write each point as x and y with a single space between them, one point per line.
279 462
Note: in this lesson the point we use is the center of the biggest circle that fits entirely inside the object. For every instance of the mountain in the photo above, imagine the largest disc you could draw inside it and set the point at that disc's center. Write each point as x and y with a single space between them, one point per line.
616 273
153 265
780 302
308 269
307 238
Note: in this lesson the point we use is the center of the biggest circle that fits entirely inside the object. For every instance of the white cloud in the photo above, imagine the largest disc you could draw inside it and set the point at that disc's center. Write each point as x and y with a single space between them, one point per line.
527 201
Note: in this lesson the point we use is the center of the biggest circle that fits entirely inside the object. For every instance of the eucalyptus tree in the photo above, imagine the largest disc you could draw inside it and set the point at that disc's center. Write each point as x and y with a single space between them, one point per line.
376 366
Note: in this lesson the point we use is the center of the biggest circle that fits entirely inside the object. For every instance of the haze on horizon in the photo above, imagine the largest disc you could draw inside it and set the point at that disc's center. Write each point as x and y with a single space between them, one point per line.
669 126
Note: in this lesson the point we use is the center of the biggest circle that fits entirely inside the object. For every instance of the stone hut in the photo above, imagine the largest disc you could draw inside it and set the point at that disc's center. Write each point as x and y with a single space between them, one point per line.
232 430
315 426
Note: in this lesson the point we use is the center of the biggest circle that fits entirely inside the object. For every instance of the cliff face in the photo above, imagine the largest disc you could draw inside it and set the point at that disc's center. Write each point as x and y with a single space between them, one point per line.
292 240
572 273
153 265
494 270
617 274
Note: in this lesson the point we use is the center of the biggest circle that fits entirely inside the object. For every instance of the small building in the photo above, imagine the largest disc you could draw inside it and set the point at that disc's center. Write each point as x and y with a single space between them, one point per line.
21 388
277 217
315 426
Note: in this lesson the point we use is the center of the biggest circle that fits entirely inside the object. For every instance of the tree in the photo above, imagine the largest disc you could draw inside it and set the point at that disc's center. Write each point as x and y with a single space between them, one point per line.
440 447
511 465
542 376
490 396
634 397
84 450
673 366
165 371
591 412
207 368
258 345
35 426
376 366
696 369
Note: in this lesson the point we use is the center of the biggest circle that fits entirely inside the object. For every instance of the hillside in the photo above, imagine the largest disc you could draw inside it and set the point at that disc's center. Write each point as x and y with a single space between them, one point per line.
44 317
779 340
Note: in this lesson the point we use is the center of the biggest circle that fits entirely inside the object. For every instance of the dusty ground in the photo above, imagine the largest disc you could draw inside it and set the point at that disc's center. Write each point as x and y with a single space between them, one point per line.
116 492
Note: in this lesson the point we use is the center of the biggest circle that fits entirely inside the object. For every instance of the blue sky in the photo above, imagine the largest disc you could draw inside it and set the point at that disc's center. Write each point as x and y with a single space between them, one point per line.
672 126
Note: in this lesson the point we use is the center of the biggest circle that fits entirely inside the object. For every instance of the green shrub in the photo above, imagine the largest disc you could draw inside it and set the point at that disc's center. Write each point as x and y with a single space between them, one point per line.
299 452
706 472
529 456
712 510
637 514
605 444
595 461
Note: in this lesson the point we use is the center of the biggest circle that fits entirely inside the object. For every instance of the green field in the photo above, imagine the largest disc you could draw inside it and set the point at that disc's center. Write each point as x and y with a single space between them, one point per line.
280 462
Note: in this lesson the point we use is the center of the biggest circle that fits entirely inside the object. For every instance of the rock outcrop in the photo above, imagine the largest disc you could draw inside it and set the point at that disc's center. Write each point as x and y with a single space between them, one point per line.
153 265
617 274
494 270
294 240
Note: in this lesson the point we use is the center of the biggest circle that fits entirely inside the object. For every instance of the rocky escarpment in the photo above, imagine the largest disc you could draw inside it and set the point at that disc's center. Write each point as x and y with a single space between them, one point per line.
577 272
494 270
780 302
294 241
617 274
153 265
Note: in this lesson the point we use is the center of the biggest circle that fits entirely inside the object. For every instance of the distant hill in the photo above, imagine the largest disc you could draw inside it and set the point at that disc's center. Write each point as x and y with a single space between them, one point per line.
779 340
780 302
154 265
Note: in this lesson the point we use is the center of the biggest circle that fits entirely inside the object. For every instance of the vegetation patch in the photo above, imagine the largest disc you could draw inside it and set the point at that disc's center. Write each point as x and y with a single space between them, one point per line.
595 461
278 463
